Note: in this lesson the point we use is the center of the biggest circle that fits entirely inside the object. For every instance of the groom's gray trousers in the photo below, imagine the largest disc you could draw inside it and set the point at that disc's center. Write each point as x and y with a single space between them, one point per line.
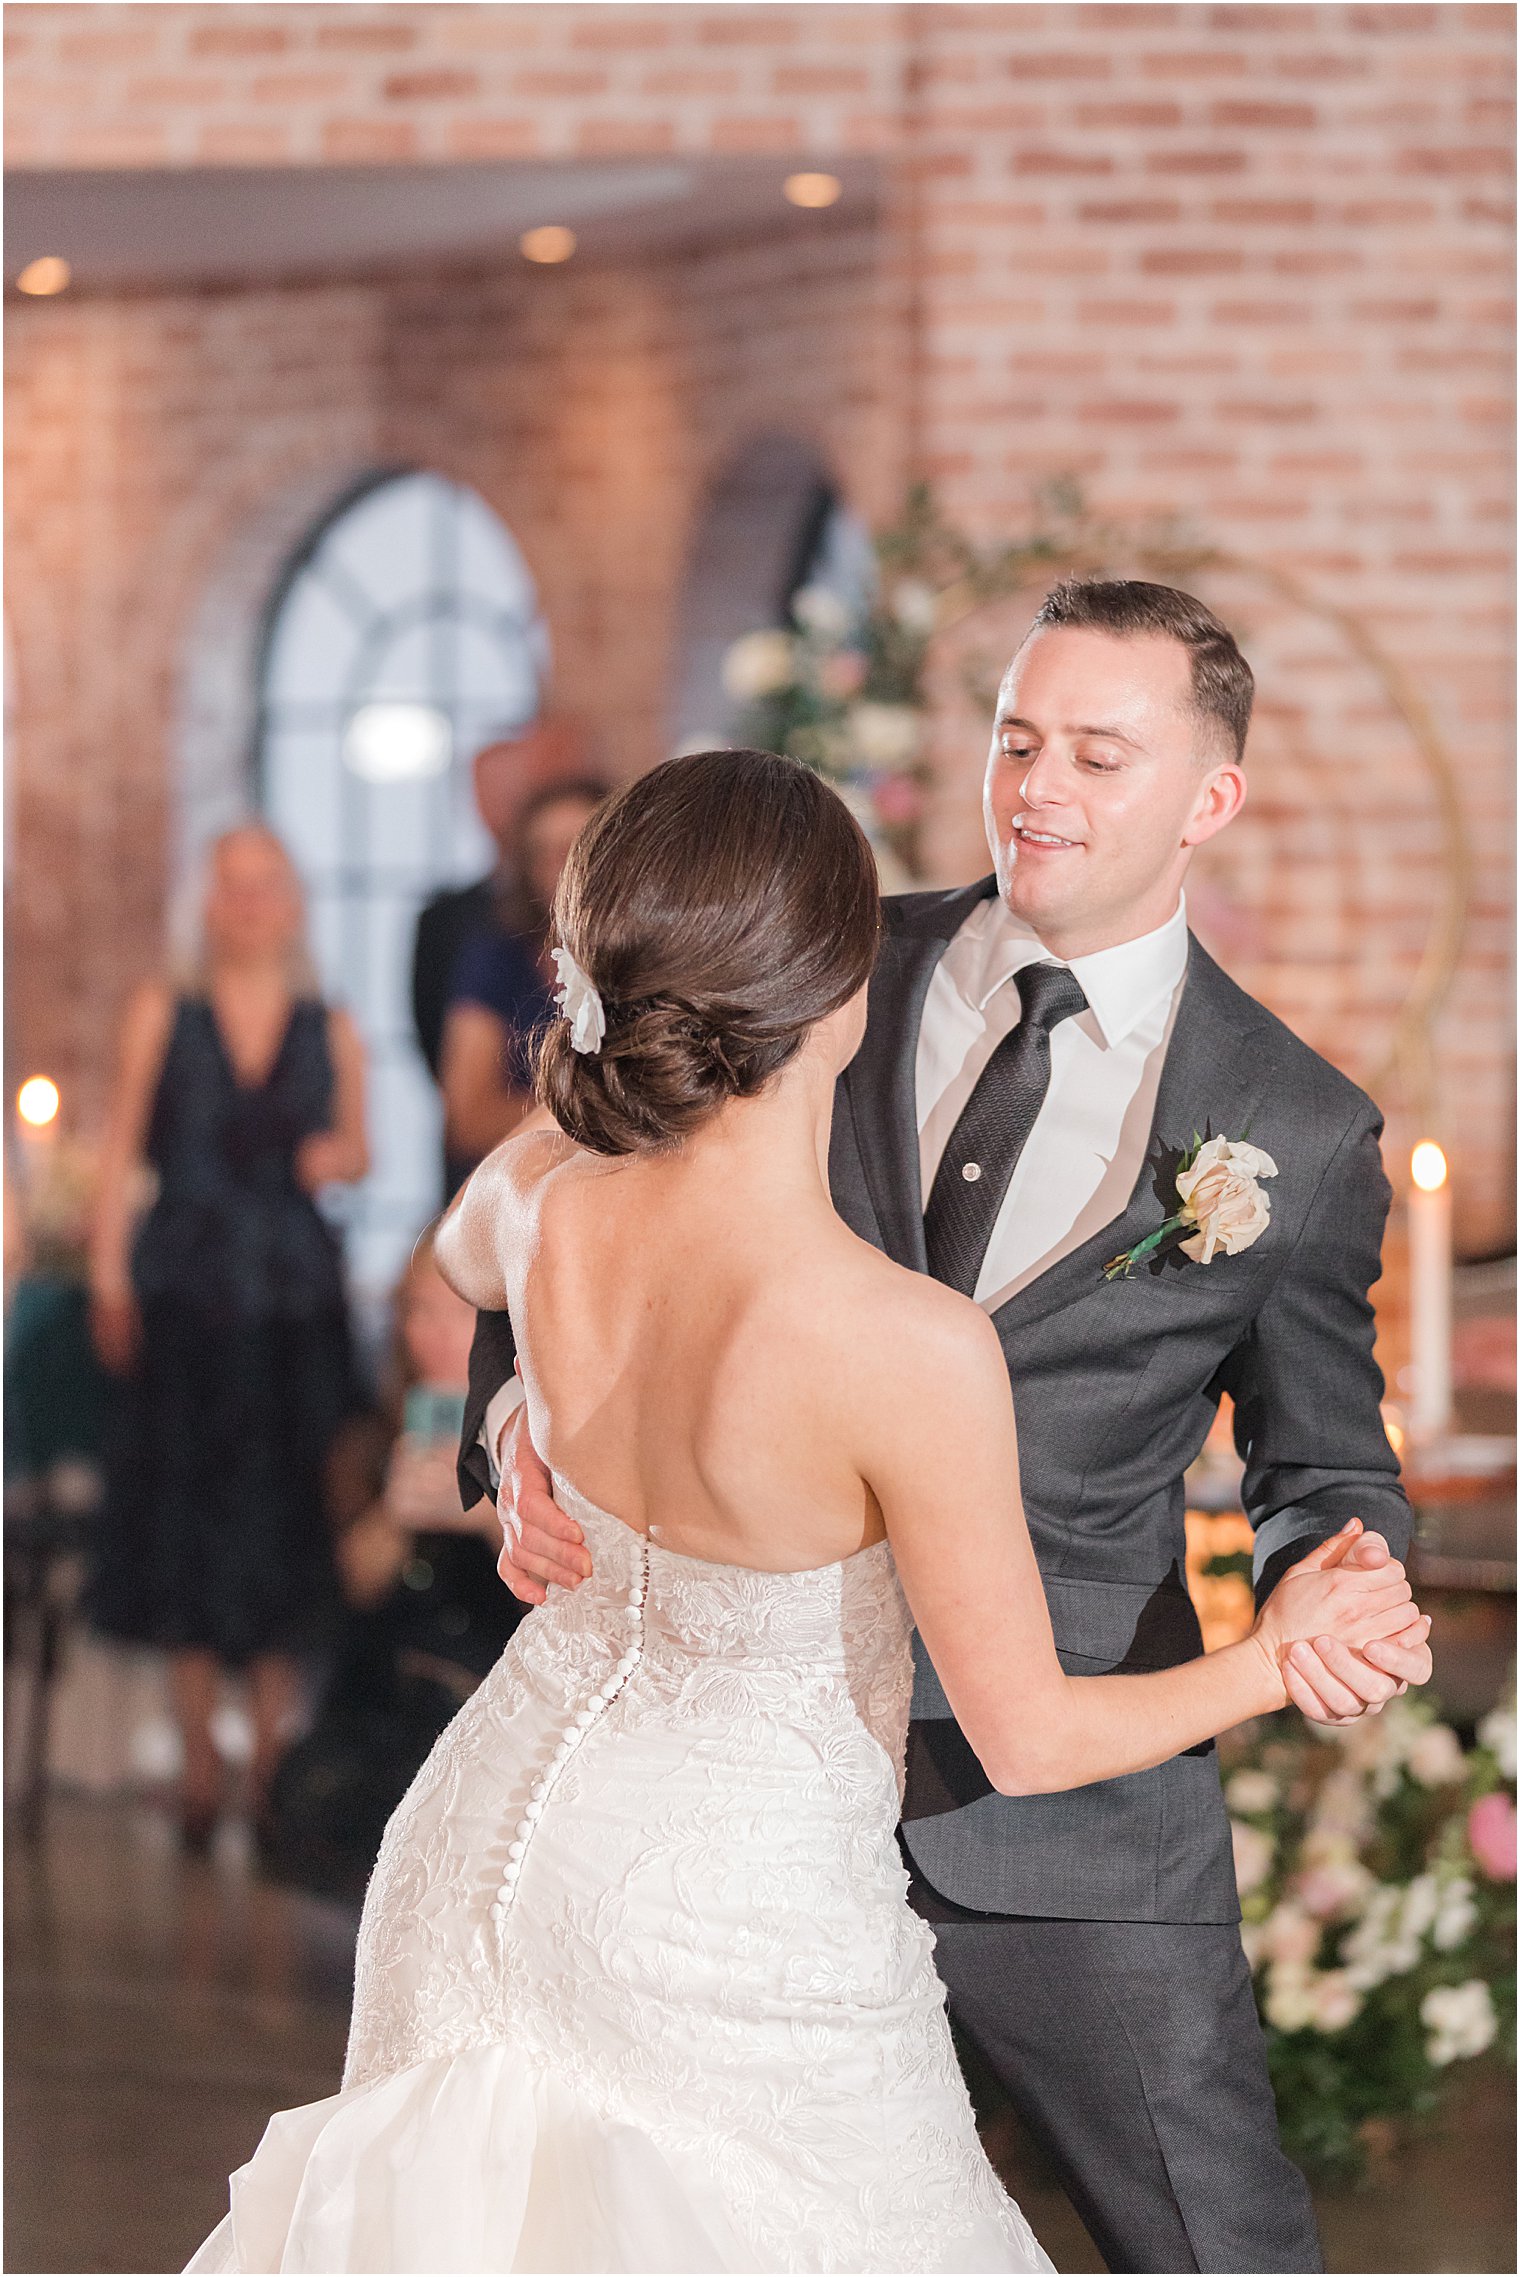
1132 2053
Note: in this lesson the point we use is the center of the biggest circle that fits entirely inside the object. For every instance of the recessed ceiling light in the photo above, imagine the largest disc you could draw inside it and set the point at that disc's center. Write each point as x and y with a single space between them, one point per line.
812 189
551 243
46 275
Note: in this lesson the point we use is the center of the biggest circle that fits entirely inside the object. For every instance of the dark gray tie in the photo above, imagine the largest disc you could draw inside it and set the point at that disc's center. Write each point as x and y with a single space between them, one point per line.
994 1126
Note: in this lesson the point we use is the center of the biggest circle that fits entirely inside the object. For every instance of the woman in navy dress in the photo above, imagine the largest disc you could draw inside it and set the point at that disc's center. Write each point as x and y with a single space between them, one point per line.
501 992
224 1315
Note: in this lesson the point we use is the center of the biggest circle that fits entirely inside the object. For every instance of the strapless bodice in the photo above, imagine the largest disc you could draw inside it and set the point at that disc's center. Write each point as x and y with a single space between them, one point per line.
845 1623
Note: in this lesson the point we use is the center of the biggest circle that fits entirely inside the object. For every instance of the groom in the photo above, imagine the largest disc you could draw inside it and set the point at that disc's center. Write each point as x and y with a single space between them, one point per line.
1040 1051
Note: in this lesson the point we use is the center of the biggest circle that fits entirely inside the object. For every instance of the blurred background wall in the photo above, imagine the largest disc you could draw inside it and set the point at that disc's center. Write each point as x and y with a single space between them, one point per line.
1250 266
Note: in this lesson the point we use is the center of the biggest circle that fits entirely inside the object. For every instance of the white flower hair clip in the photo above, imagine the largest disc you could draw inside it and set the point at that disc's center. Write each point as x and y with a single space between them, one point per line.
580 1004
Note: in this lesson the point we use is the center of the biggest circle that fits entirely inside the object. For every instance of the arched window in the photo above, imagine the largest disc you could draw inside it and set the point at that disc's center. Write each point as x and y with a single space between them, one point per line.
405 635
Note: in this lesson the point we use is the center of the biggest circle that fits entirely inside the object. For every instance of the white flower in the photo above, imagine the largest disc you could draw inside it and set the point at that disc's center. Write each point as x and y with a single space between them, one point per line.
1289 2002
914 606
1422 1902
1251 1792
1380 1946
1290 1935
1457 1915
1342 1810
1460 2020
885 735
1221 1197
578 1000
1380 1743
1337 2001
1254 1852
1497 1733
820 611
1436 1758
758 664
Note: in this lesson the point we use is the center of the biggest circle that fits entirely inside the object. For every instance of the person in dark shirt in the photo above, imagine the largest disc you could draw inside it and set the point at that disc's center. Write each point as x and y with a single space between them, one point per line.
427 1617
506 773
501 996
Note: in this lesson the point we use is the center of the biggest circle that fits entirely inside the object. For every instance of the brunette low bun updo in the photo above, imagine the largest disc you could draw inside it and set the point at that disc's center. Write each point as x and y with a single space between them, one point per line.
720 905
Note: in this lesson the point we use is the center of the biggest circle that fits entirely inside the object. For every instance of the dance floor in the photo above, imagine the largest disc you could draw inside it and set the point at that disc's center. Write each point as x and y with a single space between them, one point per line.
158 2010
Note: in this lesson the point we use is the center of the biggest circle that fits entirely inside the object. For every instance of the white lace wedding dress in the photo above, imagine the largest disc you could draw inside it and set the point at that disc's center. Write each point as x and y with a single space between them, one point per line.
638 1987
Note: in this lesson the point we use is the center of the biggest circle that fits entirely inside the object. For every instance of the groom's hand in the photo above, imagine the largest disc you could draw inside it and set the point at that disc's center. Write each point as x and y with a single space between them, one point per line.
540 1544
1331 1684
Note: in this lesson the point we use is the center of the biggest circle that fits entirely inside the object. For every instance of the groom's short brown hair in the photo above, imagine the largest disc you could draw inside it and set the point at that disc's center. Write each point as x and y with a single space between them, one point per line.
1223 684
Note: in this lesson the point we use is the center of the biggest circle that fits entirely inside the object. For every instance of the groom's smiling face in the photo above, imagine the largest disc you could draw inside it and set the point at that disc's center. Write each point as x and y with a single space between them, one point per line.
1101 780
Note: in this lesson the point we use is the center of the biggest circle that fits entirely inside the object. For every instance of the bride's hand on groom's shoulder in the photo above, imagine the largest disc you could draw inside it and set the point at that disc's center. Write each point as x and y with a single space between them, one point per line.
540 1544
1347 1600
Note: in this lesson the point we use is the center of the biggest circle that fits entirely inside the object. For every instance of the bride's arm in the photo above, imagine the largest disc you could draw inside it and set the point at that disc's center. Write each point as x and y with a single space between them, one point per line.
468 1245
963 1552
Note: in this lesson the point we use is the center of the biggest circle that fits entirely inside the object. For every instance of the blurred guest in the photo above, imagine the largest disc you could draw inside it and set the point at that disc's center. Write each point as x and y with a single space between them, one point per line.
430 1617
55 1401
506 773
501 993
243 1094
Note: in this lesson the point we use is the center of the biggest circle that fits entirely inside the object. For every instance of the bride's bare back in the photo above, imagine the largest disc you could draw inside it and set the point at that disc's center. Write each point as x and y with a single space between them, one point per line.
692 1330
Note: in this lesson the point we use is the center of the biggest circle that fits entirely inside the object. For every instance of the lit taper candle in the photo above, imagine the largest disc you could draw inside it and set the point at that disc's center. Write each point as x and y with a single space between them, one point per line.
1429 1294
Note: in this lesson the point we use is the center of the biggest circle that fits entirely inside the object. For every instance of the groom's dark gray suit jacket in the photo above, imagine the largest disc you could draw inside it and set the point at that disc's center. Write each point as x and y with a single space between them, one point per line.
1115 1385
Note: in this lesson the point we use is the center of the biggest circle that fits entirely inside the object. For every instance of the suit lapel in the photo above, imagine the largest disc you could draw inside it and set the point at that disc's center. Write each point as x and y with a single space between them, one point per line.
880 1080
1210 1078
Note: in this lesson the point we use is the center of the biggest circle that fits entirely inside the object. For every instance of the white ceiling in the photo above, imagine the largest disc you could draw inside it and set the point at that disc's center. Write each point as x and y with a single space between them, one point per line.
208 225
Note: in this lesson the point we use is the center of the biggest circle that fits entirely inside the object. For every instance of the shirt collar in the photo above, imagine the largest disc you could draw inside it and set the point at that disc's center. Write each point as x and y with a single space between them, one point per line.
1121 984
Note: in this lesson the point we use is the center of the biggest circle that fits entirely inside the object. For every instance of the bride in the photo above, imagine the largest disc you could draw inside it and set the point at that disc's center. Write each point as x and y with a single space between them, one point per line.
638 1987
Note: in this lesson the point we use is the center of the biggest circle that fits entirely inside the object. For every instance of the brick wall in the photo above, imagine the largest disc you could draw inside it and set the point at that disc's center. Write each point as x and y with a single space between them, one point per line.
303 84
1250 265
168 453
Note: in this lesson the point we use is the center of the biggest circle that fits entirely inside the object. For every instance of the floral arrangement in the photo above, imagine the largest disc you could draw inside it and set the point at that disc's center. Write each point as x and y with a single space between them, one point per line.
847 698
1376 1866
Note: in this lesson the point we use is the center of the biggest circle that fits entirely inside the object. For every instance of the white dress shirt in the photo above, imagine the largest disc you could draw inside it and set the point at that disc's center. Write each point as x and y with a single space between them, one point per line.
1087 1148
1086 1151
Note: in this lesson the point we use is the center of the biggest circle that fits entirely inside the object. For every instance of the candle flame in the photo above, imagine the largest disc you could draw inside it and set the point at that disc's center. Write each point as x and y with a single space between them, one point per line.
37 1101
1427 1167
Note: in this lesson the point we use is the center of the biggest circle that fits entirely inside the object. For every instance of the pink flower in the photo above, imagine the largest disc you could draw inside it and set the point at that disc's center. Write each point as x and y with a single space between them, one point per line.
1333 1888
1491 1836
899 799
842 673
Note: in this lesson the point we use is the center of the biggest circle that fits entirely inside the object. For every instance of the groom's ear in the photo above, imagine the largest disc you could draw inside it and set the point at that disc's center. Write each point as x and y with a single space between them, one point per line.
1221 795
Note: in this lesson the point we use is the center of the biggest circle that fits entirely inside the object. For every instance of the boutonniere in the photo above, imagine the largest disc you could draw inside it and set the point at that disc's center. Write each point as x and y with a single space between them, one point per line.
1223 1206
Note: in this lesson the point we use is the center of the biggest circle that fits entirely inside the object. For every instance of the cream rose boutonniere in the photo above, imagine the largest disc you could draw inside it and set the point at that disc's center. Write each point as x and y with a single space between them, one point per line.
1223 1207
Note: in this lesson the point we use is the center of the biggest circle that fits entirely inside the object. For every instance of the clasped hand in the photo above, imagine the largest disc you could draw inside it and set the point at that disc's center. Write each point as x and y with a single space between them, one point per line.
1343 1628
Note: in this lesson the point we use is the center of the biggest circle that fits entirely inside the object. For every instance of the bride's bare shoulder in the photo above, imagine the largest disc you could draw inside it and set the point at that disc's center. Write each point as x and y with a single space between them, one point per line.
913 1362
498 1210
896 1322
